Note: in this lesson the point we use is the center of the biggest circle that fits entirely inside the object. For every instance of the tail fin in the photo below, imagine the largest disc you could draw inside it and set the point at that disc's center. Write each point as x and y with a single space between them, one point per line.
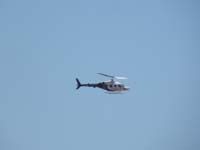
78 84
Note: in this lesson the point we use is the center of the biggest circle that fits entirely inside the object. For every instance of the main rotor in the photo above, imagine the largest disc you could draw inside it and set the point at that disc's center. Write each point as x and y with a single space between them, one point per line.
113 77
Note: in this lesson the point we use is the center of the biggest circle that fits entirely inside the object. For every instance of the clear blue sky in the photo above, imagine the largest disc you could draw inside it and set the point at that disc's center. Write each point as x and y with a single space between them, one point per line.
46 44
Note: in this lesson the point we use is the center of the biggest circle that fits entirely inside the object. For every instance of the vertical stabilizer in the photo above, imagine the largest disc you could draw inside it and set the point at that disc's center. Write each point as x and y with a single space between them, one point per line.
78 83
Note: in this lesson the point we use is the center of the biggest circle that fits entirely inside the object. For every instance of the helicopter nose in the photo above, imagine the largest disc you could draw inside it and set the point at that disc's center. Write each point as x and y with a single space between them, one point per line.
126 88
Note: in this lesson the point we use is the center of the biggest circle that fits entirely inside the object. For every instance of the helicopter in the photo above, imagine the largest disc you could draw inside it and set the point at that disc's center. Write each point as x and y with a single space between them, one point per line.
111 86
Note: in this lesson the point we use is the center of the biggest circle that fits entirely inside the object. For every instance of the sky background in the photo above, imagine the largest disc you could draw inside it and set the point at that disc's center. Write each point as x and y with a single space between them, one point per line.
46 44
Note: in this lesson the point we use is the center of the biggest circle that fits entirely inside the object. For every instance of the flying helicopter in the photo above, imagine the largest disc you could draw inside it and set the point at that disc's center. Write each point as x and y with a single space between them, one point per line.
111 85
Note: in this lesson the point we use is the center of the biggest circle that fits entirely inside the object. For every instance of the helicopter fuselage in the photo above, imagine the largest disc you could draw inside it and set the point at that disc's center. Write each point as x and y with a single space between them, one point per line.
111 86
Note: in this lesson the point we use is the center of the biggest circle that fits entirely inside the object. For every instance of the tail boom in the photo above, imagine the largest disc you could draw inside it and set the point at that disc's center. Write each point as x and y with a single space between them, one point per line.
86 85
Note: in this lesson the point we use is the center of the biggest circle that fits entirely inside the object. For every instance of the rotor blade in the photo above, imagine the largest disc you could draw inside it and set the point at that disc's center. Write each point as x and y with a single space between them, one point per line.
106 75
121 78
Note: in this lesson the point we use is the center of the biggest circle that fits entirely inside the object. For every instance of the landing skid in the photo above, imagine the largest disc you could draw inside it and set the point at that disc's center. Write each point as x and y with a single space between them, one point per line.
114 92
